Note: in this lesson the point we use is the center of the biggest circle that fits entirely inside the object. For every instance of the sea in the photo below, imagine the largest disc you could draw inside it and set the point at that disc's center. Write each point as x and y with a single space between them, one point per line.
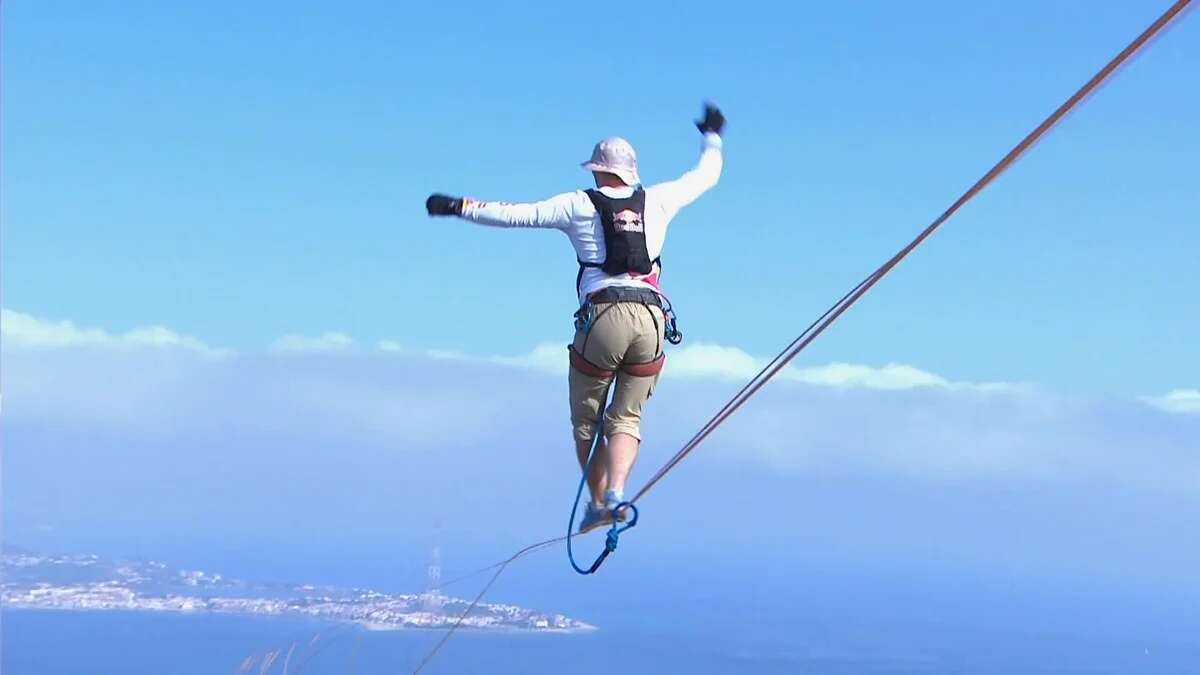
674 638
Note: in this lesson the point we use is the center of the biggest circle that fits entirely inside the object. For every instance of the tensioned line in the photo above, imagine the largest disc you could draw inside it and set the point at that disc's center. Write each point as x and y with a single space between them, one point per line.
836 310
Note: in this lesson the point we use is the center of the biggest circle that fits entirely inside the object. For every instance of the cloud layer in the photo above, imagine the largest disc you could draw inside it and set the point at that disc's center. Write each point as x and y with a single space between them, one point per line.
1178 401
699 360
29 332
894 418
327 444
300 344
705 360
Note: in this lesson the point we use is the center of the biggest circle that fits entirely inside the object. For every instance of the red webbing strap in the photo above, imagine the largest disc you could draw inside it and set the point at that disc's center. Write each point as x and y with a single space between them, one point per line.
648 369
587 367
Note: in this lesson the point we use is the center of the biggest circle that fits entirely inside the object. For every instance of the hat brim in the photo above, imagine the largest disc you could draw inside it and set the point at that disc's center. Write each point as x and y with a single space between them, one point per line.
630 177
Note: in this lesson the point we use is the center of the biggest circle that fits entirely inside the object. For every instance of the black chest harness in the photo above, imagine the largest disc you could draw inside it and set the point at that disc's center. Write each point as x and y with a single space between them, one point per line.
624 222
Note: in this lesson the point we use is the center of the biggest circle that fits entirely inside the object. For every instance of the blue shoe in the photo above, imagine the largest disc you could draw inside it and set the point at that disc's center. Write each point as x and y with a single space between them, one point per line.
593 518
611 501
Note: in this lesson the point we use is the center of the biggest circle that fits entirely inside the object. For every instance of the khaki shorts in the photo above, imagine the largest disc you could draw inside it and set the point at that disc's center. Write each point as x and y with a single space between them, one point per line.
624 332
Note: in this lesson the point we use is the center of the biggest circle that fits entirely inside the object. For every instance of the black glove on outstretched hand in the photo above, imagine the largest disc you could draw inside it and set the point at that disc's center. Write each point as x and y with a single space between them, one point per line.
713 120
444 205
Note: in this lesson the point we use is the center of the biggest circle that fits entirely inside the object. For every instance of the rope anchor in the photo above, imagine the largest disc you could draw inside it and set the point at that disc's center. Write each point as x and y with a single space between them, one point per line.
611 538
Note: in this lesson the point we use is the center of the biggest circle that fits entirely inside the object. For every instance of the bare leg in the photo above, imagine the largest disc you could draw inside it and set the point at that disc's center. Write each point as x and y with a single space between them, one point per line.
598 476
622 452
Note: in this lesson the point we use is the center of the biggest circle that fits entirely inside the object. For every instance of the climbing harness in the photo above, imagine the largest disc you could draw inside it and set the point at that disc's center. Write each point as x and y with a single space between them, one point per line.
671 331
614 532
816 328
587 316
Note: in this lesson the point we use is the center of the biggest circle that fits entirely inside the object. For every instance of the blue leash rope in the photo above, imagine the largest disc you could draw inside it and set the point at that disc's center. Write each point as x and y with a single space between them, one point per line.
614 532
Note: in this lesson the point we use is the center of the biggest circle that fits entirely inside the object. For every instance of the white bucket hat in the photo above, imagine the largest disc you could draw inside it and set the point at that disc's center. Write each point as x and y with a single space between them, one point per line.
616 156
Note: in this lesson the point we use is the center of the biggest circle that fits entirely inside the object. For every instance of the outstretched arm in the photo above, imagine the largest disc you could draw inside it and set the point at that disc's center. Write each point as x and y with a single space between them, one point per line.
552 213
676 194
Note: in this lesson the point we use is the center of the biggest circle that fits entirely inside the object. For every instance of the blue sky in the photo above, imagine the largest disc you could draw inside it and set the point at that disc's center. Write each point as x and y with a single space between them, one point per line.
232 338
242 172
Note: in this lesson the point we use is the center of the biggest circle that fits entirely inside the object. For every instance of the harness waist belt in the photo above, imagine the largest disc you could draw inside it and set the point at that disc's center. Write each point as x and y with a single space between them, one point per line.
625 294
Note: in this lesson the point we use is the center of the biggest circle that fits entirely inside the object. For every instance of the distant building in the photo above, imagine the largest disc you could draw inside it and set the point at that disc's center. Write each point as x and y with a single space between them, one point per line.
432 599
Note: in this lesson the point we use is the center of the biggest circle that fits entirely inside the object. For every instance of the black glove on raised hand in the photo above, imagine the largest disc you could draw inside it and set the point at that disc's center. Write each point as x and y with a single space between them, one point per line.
444 205
713 120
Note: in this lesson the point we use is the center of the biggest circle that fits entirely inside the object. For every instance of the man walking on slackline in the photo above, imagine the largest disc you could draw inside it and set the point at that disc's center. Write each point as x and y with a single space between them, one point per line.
618 230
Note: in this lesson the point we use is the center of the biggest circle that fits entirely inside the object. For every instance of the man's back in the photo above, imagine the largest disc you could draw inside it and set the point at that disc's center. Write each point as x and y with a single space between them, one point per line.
575 214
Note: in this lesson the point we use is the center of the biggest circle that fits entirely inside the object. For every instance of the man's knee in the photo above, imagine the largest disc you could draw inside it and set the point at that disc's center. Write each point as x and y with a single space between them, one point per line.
617 421
585 409
584 430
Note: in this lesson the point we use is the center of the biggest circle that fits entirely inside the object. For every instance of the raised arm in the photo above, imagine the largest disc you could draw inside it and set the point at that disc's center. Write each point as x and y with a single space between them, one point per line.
676 194
553 213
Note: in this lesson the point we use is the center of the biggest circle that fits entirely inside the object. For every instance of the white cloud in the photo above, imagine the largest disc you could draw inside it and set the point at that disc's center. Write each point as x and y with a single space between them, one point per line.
894 418
29 332
1179 401
709 360
891 376
698 360
393 347
705 360
952 433
299 344
399 349
548 357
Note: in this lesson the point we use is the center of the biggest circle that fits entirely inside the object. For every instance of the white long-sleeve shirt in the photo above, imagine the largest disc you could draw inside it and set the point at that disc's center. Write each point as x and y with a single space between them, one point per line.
574 214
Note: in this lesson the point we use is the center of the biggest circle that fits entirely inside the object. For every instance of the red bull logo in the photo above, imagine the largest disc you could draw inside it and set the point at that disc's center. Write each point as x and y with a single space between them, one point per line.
628 221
